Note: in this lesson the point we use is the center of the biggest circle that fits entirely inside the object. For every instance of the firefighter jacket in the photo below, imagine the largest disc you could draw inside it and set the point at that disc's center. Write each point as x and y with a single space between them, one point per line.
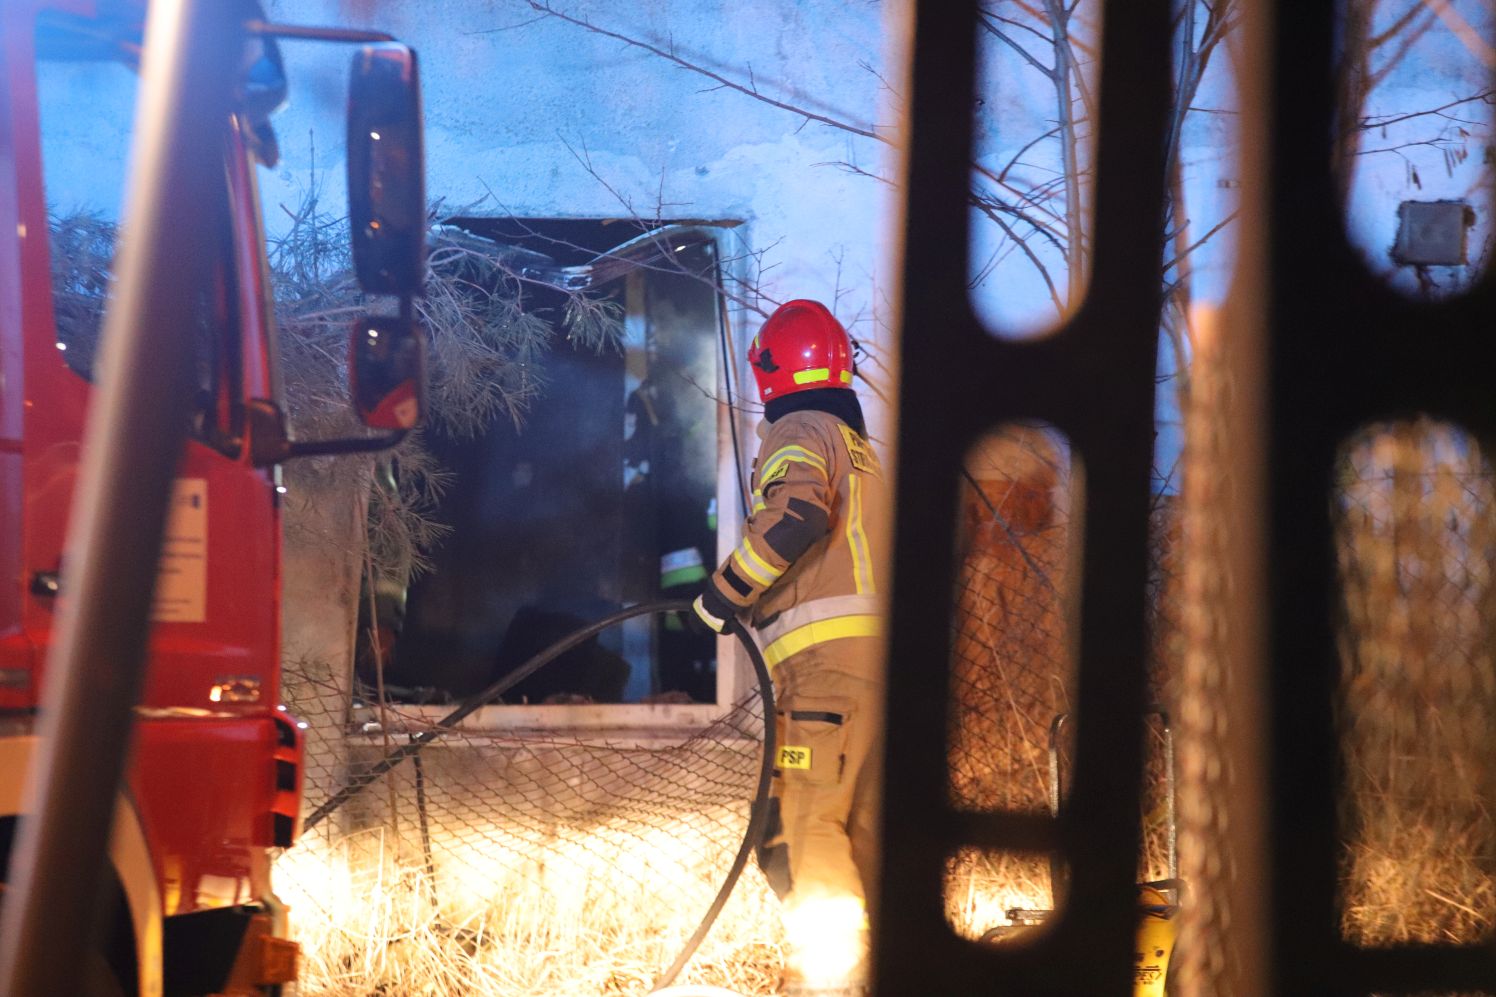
805 571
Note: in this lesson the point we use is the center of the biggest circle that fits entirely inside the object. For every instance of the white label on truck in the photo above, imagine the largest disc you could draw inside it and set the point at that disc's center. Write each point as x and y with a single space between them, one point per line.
182 578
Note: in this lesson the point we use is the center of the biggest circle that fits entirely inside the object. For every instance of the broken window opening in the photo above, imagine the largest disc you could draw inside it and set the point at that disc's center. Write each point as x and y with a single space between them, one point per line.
604 495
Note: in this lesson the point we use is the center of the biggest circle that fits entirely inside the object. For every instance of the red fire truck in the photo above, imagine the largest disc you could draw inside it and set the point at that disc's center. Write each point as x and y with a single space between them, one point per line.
212 783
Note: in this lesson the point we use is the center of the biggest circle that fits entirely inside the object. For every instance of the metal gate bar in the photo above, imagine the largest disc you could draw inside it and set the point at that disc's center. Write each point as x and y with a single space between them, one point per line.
957 383
1317 347
1344 350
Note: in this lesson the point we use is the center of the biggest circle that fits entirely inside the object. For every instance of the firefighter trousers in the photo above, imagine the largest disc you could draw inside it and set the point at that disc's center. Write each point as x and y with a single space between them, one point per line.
821 838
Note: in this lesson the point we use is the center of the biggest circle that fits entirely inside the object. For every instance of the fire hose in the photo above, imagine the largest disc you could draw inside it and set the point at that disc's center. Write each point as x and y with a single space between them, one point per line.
758 810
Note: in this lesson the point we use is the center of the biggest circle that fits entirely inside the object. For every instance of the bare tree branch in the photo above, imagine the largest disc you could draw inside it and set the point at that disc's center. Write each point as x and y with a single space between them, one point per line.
1486 96
723 82
1003 173
1410 38
1170 264
1395 28
1025 53
1075 223
1016 24
586 162
1028 251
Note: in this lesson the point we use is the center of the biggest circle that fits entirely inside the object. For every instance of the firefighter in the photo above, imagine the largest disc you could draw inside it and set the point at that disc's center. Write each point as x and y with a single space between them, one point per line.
805 577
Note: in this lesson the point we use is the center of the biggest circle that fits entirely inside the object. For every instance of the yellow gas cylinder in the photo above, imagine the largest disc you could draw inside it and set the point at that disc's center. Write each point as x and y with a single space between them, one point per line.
1157 930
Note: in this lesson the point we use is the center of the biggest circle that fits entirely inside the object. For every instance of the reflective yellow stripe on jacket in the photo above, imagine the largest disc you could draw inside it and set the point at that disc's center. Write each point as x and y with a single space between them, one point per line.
753 565
783 456
862 558
776 462
817 622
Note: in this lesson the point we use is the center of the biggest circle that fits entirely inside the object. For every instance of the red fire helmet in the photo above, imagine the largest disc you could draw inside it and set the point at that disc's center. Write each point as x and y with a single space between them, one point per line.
801 346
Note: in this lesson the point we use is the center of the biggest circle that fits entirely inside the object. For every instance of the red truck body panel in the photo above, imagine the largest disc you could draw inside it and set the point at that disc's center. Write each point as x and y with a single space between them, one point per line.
215 760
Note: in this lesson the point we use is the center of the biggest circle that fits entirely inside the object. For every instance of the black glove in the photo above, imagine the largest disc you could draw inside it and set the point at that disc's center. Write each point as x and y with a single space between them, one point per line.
711 613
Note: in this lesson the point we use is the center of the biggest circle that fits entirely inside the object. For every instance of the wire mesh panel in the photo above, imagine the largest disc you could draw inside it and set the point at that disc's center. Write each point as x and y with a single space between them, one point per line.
1012 672
1373 579
1012 723
1417 710
1011 667
966 384
523 863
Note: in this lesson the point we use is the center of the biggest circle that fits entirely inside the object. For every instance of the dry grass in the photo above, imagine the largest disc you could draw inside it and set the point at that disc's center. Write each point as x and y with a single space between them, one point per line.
575 916
1417 711
557 866
982 886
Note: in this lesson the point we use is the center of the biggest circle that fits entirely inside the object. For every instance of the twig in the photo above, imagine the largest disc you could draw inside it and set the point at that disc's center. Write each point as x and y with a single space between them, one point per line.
1027 56
722 81
1486 96
1013 538
1022 244
1202 240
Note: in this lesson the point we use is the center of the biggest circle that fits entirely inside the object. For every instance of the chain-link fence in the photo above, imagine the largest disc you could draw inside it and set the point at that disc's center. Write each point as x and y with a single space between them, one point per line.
1010 667
1013 673
521 862
1417 705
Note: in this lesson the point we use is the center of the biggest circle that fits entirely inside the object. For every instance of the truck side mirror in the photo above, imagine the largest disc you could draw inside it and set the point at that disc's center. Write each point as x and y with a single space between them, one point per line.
387 372
386 170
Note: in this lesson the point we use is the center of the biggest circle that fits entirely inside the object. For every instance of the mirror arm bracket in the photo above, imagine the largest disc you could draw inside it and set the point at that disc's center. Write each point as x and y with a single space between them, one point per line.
270 29
329 448
268 442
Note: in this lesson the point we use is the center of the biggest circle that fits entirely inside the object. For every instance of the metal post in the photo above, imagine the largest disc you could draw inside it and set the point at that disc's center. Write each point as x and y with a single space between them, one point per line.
134 439
1093 380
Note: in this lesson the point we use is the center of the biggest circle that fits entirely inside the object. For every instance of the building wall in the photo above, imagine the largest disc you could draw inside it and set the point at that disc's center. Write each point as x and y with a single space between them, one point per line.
533 117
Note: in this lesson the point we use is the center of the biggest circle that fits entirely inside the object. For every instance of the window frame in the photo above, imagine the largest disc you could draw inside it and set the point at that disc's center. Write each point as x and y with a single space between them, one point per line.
653 724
